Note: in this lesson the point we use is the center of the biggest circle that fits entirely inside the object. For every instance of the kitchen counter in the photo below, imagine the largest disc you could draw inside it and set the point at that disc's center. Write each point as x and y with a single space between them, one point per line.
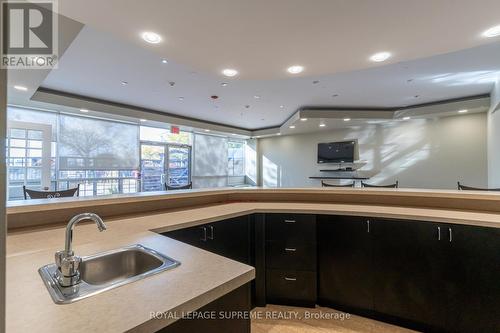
202 276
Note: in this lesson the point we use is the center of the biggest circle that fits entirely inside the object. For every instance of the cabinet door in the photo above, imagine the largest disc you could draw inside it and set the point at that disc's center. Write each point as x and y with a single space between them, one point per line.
231 238
408 272
196 236
473 283
345 263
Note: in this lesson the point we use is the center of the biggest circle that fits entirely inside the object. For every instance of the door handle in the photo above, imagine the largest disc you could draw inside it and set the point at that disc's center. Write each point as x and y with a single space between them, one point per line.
368 226
439 233
212 234
450 235
204 238
290 221
290 249
290 279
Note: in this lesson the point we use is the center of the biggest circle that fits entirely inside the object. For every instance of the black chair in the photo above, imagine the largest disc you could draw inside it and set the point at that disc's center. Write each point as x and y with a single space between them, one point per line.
469 188
32 194
395 185
181 187
323 184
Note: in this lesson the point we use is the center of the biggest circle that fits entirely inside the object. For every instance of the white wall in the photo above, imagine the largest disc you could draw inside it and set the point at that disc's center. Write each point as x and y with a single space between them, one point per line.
423 153
494 137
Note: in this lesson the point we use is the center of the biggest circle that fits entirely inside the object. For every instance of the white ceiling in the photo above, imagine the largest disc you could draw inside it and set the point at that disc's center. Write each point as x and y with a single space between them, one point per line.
333 39
261 38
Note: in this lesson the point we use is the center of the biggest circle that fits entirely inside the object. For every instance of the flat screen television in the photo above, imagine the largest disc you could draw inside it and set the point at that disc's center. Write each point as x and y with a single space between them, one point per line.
336 152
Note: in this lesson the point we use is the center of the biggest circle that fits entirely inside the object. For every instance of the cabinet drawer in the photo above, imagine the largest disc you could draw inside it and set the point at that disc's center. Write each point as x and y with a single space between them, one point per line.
291 227
291 287
291 255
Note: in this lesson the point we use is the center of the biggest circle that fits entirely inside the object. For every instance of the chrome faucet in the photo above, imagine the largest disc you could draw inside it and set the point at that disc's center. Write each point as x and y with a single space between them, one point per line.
68 265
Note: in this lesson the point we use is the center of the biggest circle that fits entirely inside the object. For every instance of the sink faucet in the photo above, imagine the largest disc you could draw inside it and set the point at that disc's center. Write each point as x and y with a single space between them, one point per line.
68 272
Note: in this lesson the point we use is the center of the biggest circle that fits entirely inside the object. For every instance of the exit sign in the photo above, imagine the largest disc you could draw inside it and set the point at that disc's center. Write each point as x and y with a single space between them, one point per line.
174 129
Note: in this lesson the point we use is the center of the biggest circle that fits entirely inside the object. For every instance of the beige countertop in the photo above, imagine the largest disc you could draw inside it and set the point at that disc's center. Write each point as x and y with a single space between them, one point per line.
201 277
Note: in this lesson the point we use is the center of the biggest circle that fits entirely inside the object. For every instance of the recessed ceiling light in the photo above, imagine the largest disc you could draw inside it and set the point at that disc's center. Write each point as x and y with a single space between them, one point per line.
303 119
282 106
380 56
181 98
229 72
492 32
406 118
315 81
292 127
233 133
143 120
22 88
151 37
224 84
463 111
296 69
256 97
278 133
322 125
124 83
207 130
335 95
347 119
84 110
164 61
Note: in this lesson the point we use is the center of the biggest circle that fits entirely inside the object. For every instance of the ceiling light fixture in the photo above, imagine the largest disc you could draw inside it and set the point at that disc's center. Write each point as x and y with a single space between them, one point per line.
380 56
282 106
143 120
164 61
296 69
322 125
21 88
463 111
84 110
256 97
207 130
229 72
224 84
181 98
278 133
151 37
292 127
492 32
303 119
124 83
406 118
347 119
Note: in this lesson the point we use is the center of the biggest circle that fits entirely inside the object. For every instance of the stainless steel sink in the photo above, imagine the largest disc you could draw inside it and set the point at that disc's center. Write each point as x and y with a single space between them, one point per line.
107 270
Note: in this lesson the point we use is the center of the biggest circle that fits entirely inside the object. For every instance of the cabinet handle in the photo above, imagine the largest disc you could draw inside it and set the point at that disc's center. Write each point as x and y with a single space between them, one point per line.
439 233
290 221
450 235
204 234
368 226
290 249
290 279
212 234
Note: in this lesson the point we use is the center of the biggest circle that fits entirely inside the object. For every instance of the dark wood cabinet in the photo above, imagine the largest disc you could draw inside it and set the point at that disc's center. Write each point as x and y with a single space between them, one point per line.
472 278
229 238
345 263
291 259
409 272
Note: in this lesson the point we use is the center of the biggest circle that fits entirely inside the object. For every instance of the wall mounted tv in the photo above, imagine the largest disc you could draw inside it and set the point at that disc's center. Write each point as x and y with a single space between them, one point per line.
336 152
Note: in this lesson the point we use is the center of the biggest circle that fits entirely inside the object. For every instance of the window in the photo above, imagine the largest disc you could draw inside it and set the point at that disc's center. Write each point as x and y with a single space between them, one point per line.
163 135
236 162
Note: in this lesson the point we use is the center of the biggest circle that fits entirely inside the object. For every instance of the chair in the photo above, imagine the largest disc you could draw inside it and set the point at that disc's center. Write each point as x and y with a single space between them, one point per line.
469 188
32 194
323 184
395 185
181 187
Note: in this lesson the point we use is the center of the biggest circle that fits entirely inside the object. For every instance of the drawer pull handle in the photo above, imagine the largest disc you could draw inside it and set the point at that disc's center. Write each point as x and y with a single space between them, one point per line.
290 249
439 233
212 235
290 279
290 221
204 238
450 235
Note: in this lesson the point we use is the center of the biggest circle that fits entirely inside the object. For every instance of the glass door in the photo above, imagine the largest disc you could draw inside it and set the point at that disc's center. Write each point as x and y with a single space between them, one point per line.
153 169
29 158
179 165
